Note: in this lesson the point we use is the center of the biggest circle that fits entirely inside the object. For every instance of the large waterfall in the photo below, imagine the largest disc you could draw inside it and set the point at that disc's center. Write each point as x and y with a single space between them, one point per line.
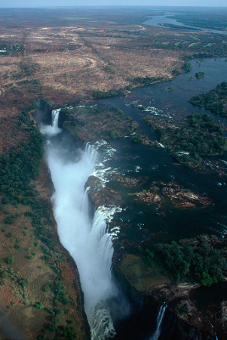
86 238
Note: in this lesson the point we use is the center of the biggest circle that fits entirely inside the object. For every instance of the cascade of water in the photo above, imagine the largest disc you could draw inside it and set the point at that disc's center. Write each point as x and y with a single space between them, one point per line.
160 316
87 240
216 337
55 116
52 130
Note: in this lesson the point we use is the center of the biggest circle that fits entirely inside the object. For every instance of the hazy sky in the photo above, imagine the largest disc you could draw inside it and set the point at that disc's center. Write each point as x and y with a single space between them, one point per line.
42 3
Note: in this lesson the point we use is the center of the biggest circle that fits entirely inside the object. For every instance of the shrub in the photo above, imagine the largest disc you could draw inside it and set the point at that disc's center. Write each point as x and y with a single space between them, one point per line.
9 259
38 305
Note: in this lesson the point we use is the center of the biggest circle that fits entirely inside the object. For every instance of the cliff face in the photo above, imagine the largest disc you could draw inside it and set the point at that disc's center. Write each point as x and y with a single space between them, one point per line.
176 328
182 318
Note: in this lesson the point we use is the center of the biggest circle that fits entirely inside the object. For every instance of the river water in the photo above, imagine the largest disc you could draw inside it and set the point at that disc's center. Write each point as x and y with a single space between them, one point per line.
133 221
140 223
139 160
160 20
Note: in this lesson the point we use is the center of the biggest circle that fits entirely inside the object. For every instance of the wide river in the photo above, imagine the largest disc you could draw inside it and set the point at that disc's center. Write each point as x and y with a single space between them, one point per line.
135 223
156 163
160 20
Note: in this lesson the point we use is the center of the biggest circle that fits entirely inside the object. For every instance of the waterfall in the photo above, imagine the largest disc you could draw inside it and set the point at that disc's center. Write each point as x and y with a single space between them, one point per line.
160 316
86 239
55 116
53 129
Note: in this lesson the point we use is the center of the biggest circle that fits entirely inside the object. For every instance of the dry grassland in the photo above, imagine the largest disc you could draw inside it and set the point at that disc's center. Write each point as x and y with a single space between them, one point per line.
72 60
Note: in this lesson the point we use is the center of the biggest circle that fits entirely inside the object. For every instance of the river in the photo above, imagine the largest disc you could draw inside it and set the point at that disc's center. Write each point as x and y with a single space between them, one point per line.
160 20
90 237
159 165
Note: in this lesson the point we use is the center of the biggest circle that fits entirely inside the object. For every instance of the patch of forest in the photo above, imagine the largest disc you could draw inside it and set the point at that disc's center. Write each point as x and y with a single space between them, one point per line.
197 137
200 260
214 100
93 123
207 19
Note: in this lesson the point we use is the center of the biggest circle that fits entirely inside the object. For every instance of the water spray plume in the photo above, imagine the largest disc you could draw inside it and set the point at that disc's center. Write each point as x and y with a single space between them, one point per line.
86 239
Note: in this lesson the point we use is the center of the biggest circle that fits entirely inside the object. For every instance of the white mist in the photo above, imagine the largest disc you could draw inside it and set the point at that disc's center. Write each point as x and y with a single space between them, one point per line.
87 240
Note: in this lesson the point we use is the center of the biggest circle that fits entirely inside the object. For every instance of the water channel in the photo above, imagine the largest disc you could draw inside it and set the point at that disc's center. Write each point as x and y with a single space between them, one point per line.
133 221
161 20
141 223
158 164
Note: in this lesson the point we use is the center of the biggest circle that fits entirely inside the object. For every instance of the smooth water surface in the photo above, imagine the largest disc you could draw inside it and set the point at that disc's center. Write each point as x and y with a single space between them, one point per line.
159 20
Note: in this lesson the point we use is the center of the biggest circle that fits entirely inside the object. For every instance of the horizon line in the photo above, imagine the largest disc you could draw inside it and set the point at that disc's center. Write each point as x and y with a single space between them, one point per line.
119 6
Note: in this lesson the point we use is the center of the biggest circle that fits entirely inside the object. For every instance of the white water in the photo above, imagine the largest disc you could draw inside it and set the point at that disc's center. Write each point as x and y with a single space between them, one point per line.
52 130
160 316
87 240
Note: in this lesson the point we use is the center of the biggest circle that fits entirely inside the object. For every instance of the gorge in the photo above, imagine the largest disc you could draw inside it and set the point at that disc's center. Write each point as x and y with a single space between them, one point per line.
122 164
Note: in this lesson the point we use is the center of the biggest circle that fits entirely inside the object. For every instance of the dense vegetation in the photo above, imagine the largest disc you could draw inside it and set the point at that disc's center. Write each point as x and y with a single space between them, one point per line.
18 168
199 75
208 18
178 27
94 123
108 94
191 140
187 66
215 100
21 164
194 260
146 81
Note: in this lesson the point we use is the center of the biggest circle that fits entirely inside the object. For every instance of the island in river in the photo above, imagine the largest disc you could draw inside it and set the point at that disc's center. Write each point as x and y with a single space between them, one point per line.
166 272
57 58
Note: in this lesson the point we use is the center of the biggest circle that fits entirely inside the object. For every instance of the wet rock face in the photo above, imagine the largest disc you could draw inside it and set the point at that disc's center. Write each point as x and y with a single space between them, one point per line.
102 195
128 182
158 192
179 196
151 195
182 320
184 198
182 330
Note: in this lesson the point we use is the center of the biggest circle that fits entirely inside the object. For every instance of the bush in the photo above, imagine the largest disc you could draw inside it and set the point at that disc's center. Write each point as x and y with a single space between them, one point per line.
9 259
10 219
38 305
4 274
199 75
23 282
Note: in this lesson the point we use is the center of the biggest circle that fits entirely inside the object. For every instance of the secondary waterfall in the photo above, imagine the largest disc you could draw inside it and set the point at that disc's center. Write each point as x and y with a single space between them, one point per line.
160 316
86 239
55 116
53 129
